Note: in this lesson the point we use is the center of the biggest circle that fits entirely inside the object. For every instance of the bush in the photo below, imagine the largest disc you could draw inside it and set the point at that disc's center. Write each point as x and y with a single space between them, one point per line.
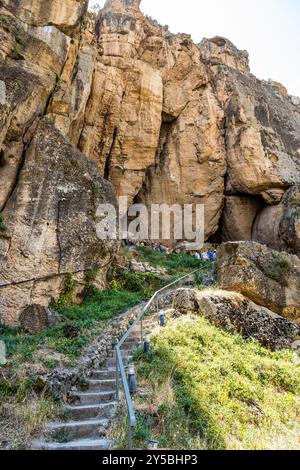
279 267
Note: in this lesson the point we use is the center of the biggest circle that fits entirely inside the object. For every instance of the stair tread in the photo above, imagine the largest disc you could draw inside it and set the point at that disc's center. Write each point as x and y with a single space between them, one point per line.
94 394
96 422
86 407
100 381
84 443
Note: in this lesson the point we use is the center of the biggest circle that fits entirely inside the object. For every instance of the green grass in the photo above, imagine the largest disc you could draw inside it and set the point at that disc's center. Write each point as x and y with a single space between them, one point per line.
82 323
175 264
205 388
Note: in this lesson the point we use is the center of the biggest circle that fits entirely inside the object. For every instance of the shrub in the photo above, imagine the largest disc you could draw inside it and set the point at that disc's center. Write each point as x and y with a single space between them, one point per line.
279 267
2 224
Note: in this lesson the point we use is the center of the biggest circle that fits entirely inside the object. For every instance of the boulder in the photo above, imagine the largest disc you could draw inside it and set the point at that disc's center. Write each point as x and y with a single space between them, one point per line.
238 217
279 226
267 277
235 313
36 318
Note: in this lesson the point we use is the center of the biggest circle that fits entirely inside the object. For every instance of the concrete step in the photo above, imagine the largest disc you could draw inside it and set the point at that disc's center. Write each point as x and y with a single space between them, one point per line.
102 385
81 444
111 361
130 346
104 374
94 398
136 338
77 429
83 412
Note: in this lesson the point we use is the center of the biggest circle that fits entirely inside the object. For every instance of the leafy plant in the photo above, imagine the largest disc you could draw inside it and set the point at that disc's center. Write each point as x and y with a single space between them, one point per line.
2 224
66 296
279 267
83 382
51 363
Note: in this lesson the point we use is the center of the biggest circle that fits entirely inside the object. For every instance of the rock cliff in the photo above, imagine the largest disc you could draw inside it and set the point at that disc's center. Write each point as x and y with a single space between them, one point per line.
92 107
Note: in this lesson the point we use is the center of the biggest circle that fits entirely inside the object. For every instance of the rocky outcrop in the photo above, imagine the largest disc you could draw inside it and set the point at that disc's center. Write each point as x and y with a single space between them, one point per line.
206 125
239 215
269 278
49 191
235 313
65 15
51 224
36 318
279 226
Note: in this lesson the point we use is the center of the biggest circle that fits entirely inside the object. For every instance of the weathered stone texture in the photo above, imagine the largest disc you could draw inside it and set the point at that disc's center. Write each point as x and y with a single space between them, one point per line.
267 277
237 314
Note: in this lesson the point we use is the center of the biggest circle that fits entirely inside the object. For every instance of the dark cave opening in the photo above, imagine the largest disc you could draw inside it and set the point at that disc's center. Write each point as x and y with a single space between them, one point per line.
2 158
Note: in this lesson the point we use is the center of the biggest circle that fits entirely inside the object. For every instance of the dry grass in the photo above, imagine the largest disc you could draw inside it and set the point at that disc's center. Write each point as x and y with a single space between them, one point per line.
20 422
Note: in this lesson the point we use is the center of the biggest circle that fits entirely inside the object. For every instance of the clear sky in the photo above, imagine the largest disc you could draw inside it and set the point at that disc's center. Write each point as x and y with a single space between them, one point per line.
268 29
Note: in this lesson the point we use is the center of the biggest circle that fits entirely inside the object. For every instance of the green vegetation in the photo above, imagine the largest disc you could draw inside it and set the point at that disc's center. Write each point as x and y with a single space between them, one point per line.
48 120
66 296
84 322
145 284
2 224
14 386
204 388
279 267
176 264
62 437
30 355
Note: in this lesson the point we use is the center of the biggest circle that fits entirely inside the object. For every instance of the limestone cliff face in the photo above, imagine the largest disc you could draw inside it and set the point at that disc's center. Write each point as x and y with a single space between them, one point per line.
175 122
85 101
49 191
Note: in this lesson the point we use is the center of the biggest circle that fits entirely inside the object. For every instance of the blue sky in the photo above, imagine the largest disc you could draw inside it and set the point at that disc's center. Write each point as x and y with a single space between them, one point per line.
268 29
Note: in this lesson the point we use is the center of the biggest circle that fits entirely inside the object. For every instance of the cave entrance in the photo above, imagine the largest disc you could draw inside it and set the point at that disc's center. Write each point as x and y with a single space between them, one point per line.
238 217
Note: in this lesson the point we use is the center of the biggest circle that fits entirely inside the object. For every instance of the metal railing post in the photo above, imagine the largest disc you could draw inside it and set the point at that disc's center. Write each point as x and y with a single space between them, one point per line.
119 361
129 435
142 330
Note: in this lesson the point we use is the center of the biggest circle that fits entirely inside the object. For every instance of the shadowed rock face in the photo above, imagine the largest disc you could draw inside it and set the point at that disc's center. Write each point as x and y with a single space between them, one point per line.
267 277
161 118
279 226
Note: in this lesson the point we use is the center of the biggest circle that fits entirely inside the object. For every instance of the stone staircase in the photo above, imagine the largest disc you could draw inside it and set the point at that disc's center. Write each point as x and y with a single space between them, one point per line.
89 416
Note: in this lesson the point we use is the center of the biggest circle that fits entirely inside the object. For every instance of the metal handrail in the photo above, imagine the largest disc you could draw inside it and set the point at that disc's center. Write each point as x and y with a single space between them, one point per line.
119 360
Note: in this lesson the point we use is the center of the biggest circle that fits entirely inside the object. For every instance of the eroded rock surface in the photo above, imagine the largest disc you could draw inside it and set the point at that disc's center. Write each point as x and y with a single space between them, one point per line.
235 313
51 225
267 277
279 226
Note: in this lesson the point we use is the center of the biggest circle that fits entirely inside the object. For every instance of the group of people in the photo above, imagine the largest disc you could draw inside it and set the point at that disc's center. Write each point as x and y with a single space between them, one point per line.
210 255
159 248
206 256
